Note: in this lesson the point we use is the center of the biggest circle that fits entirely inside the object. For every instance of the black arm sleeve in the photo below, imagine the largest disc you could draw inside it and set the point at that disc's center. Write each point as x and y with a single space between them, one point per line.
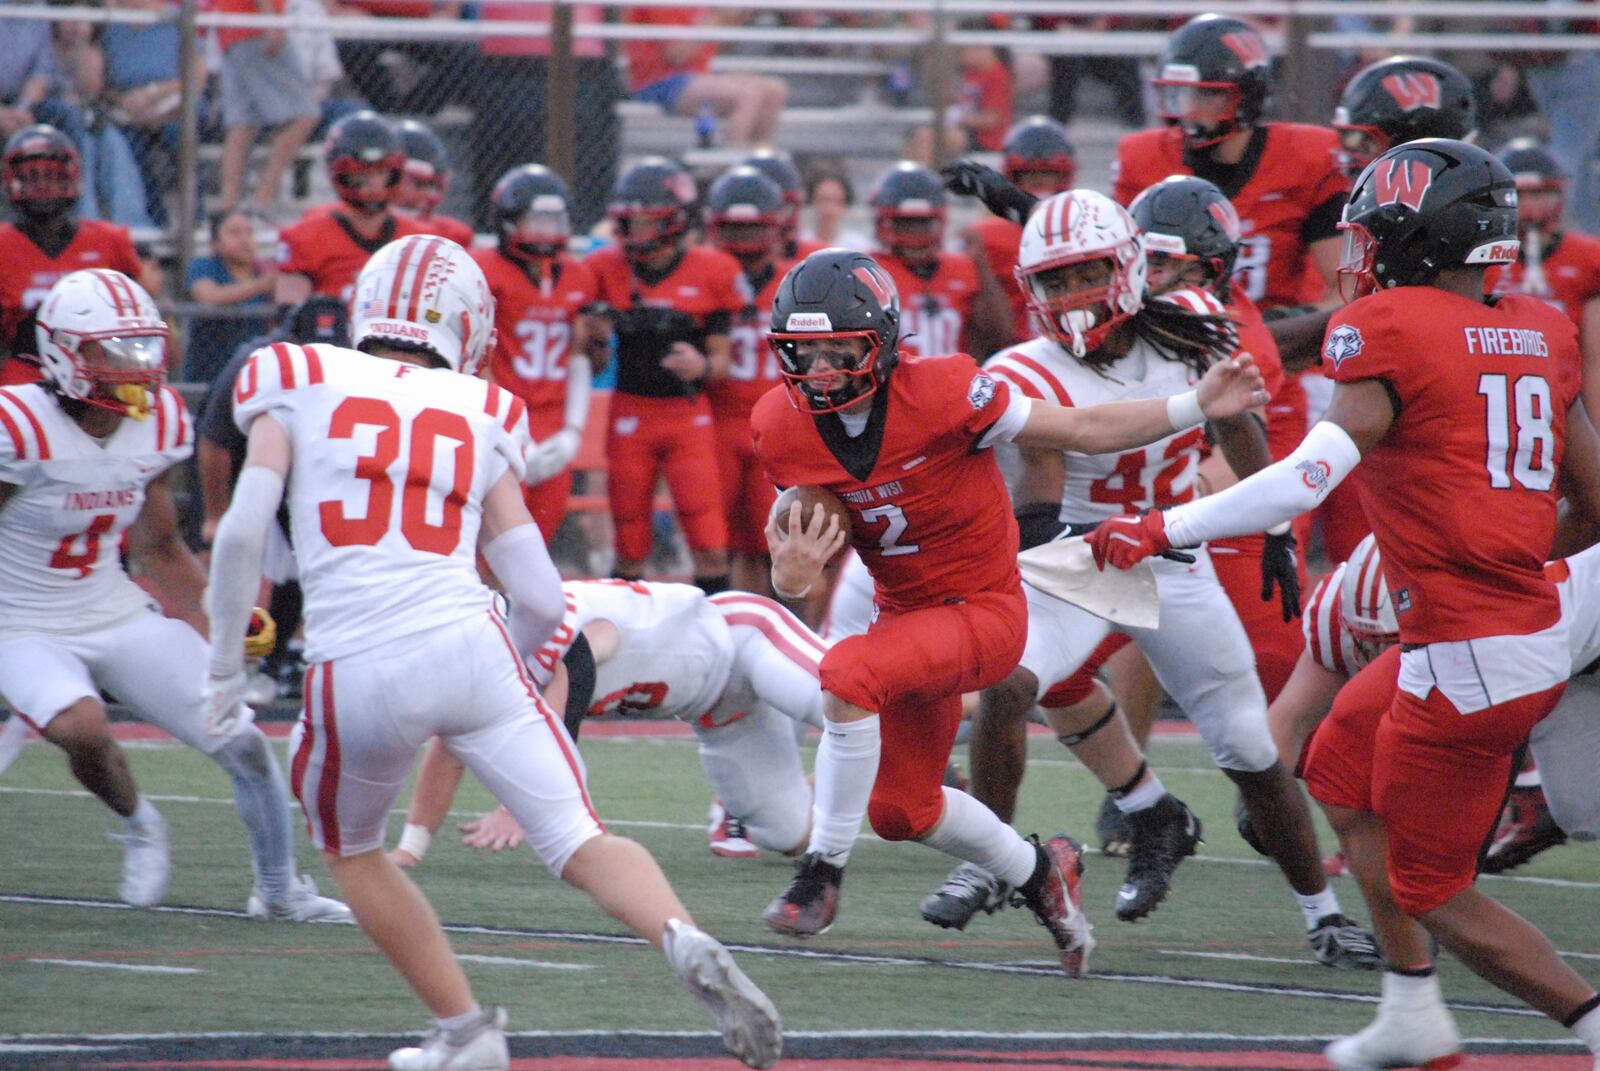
581 671
1323 222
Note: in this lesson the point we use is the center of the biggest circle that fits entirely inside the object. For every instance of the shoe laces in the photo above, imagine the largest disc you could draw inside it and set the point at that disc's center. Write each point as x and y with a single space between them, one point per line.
971 882
1339 933
733 828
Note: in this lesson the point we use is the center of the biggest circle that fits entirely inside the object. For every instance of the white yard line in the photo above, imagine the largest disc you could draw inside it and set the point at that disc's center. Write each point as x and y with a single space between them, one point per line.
142 968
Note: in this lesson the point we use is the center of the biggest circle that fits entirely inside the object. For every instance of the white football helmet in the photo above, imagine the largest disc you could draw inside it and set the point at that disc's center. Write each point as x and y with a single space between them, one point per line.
102 341
1364 602
1071 228
424 293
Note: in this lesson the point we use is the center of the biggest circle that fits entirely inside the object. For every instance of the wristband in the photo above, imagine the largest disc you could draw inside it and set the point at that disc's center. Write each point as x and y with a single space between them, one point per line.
1184 411
802 593
415 840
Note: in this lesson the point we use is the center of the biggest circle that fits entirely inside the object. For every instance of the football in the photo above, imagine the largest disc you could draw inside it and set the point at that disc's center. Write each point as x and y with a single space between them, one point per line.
808 496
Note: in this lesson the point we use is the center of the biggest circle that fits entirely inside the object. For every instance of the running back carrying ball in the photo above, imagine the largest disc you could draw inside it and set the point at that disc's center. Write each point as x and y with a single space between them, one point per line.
809 497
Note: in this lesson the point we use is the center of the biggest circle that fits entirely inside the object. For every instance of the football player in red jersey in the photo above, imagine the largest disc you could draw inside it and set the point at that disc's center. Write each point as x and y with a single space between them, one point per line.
675 305
1558 265
902 444
745 219
778 166
424 180
41 172
1283 178
949 301
1039 160
325 251
1466 412
550 341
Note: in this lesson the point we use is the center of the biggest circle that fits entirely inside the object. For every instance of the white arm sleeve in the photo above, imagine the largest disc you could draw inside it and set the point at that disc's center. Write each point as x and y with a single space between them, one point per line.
533 586
1278 493
580 380
236 565
1011 421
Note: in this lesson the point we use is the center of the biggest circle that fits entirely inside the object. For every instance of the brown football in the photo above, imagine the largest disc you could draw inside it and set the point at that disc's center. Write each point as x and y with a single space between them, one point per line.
809 497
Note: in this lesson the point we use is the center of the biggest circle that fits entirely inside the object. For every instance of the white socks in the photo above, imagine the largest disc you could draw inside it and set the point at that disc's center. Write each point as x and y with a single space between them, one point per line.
143 817
457 1023
1142 798
847 766
1318 906
968 830
1411 992
1588 1030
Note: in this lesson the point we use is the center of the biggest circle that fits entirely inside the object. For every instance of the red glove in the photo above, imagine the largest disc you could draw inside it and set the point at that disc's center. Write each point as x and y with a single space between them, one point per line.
1127 541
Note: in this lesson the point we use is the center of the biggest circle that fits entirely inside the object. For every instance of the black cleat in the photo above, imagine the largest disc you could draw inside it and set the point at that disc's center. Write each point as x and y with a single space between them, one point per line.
1339 943
968 890
1526 828
1112 828
808 906
1163 836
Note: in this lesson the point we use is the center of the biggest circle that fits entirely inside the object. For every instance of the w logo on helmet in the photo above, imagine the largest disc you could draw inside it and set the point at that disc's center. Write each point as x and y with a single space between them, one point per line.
1249 47
1413 90
1227 218
1402 182
878 281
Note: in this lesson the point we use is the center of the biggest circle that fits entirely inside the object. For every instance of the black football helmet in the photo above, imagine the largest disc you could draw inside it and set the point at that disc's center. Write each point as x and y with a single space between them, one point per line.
836 294
1401 99
531 207
427 169
650 207
908 211
1423 206
1213 55
41 171
778 166
362 144
1036 144
744 215
1541 184
1188 219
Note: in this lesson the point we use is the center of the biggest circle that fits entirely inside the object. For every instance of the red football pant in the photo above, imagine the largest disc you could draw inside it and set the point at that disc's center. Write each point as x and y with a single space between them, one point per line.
1436 778
747 492
912 668
1076 688
652 437
1277 643
548 503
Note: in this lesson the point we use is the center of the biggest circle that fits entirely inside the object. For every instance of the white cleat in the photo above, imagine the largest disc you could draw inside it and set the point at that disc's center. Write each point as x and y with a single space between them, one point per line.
260 690
146 862
1412 1032
12 733
303 904
479 1047
726 835
751 1028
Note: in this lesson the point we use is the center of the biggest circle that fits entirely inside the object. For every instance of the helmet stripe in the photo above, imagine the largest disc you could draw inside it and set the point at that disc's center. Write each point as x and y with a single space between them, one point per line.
109 281
429 253
399 278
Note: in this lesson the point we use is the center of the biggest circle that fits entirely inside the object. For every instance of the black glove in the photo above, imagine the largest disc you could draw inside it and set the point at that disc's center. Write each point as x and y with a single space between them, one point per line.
972 179
1278 567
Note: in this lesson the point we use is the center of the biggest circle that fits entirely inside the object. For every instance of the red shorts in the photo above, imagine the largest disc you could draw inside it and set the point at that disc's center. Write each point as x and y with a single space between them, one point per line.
912 668
1076 688
1277 643
1436 777
649 438
747 492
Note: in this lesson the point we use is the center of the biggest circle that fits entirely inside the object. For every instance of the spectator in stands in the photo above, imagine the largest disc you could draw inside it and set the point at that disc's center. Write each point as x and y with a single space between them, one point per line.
831 196
263 85
509 95
232 278
404 75
978 118
28 78
677 75
113 189
142 89
1120 74
319 60
1566 85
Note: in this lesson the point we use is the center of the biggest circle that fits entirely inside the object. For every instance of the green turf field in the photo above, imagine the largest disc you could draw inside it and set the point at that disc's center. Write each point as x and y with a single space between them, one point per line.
1225 957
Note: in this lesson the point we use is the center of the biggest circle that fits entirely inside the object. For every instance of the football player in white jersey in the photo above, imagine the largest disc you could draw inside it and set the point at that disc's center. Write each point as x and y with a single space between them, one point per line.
1082 268
1350 624
82 462
400 467
739 668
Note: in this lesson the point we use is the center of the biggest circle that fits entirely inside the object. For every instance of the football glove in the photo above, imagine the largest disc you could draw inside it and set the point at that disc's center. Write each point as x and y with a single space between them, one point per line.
1278 570
261 637
223 702
1126 541
550 458
972 179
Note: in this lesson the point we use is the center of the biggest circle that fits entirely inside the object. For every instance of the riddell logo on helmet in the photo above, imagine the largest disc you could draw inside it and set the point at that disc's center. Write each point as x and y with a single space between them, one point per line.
808 321
1402 182
1249 47
1412 91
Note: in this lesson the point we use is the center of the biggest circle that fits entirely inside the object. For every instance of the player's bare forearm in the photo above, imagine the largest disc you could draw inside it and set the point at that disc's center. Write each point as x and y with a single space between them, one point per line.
1096 429
1579 523
154 543
1299 338
437 780
1242 440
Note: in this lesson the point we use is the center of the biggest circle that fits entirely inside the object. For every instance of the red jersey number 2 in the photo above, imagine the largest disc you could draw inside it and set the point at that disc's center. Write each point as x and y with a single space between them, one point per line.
418 494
